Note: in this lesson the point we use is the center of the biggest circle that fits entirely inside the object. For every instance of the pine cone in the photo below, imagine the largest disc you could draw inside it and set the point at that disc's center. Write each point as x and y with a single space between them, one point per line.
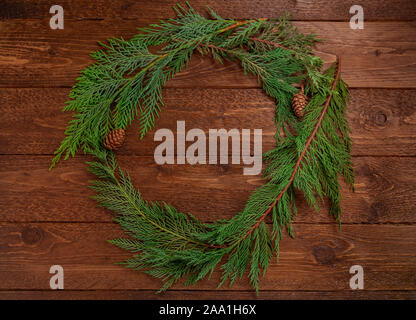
299 103
114 139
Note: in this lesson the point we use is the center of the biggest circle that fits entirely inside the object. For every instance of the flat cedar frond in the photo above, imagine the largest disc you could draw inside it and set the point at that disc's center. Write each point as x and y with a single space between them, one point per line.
165 238
127 78
310 162
126 82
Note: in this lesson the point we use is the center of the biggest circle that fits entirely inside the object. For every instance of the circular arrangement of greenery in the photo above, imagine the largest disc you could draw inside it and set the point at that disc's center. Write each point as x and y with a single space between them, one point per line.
312 145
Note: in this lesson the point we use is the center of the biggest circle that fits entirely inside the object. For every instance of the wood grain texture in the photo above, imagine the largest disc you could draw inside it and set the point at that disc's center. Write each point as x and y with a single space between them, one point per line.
301 10
385 190
47 218
32 55
318 259
206 295
383 122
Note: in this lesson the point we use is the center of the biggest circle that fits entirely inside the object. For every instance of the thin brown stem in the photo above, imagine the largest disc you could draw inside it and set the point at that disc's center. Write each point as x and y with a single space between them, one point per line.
302 154
274 44
270 43
239 23
212 47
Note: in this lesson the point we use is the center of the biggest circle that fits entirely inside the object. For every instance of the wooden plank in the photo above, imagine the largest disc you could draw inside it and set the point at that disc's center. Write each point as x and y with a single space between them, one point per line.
300 10
318 259
385 190
32 55
383 121
205 295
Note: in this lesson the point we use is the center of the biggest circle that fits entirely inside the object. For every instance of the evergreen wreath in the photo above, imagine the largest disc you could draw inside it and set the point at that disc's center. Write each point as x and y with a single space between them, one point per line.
312 140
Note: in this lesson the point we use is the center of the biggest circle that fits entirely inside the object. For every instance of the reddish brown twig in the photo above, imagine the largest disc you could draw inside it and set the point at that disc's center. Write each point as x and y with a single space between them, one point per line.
212 47
274 44
239 23
308 142
270 43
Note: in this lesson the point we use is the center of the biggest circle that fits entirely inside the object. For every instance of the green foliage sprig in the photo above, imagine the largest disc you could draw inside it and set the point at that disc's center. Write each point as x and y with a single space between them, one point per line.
127 80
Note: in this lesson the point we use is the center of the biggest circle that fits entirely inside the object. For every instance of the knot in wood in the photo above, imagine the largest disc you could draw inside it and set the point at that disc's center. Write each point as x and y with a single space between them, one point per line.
31 235
324 255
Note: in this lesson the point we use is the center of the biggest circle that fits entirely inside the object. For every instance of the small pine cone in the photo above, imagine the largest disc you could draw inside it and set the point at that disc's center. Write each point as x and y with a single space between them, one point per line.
114 139
299 103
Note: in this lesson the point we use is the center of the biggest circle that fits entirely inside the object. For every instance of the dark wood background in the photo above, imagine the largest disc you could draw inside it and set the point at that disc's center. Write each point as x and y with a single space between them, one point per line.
47 218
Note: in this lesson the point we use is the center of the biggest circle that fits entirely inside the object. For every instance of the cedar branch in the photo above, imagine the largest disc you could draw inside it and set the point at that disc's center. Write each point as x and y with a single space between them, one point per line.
307 144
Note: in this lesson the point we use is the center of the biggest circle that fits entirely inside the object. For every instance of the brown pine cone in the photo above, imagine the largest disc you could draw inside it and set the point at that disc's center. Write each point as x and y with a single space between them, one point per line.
299 103
114 139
